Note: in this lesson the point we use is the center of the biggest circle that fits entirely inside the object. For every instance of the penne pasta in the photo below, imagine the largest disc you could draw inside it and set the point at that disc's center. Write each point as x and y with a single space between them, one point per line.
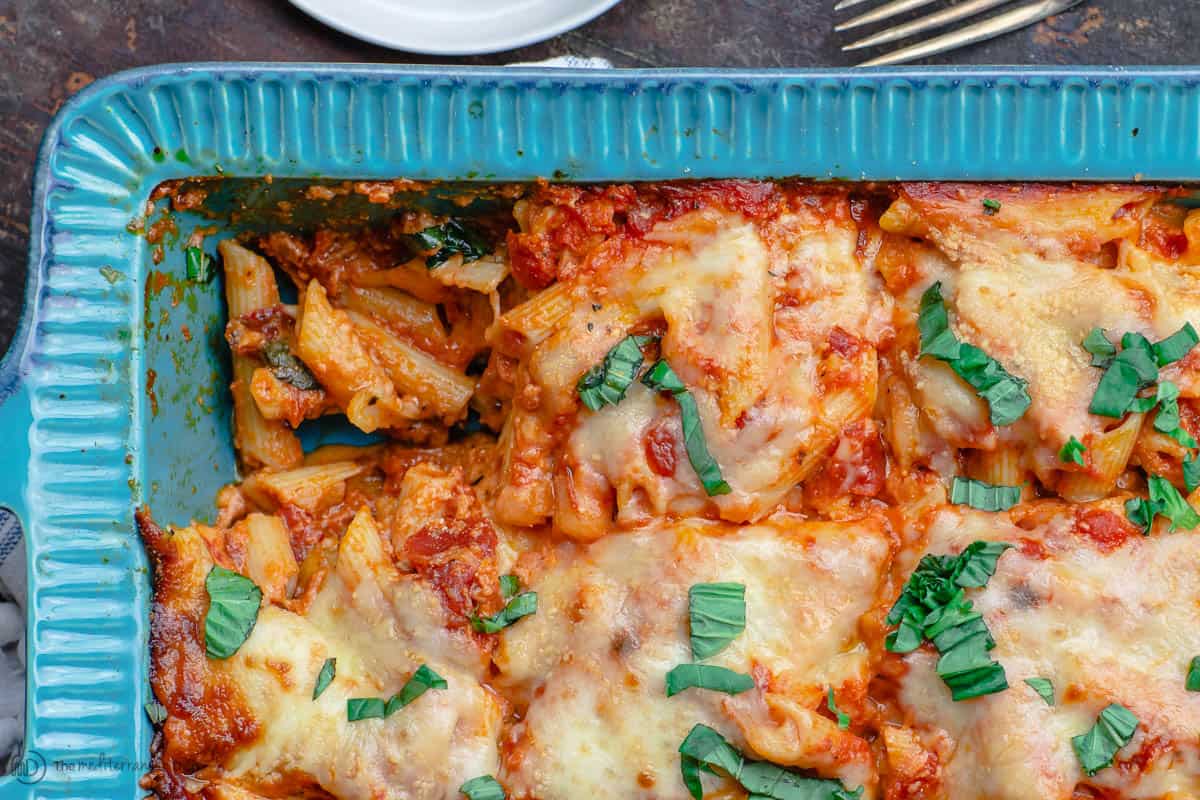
309 487
534 321
483 275
438 388
1109 453
261 442
1000 467
269 560
413 277
279 400
328 344
397 311
249 280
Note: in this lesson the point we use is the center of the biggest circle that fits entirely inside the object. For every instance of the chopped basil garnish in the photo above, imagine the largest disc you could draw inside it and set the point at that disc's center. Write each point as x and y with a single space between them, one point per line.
233 602
933 606
1191 472
1072 452
1007 396
155 711
509 585
423 679
1176 346
450 238
285 366
1043 687
661 378
359 708
991 207
325 677
522 605
706 676
485 787
1130 371
1167 419
1165 500
843 719
1192 684
704 747
198 265
1100 347
984 496
607 382
1112 731
717 616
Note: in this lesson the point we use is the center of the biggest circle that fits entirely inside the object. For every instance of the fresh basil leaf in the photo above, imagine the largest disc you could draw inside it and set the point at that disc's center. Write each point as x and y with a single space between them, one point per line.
763 779
522 605
717 616
1130 371
325 677
450 238
689 769
706 676
509 585
933 606
1072 452
485 787
977 563
1167 419
1176 346
607 382
907 637
1098 747
1043 687
1100 347
1166 500
1007 396
843 719
984 496
1191 472
156 711
198 265
1141 513
359 708
661 378
287 367
233 602
1192 683
933 322
704 746
991 207
423 679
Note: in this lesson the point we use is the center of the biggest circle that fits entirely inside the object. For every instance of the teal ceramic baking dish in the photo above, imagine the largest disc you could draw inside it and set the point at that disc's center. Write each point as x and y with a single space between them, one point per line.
113 392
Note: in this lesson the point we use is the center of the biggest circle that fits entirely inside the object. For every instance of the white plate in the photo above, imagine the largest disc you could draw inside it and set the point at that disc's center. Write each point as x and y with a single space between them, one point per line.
454 27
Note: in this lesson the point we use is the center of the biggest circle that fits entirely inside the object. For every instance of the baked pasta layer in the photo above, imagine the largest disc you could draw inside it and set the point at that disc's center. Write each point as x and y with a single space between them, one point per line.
720 489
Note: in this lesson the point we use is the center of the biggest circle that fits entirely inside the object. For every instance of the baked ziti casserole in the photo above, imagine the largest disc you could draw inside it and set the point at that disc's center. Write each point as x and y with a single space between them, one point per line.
721 490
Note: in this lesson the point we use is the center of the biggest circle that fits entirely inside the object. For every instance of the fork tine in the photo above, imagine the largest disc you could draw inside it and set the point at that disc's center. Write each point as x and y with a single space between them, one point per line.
977 32
847 4
925 23
885 11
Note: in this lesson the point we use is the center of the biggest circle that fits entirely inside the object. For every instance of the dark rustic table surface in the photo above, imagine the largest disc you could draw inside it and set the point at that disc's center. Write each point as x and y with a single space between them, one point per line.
50 49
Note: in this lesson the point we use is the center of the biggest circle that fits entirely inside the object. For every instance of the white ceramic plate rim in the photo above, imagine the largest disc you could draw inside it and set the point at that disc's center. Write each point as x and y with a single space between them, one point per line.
391 25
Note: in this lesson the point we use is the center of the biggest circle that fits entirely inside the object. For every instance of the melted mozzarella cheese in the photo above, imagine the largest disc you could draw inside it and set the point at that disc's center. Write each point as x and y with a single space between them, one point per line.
1104 627
1026 293
613 619
380 626
746 327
